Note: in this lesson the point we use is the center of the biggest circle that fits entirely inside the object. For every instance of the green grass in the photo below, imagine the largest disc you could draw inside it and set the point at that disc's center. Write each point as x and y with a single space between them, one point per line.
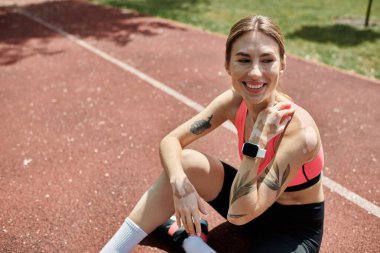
326 31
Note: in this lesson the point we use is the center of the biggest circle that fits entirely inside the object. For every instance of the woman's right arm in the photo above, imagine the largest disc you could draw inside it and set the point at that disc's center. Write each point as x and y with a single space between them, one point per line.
171 146
186 199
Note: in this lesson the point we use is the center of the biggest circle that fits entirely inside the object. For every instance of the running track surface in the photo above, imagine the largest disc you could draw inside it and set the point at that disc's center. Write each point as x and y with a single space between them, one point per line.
80 133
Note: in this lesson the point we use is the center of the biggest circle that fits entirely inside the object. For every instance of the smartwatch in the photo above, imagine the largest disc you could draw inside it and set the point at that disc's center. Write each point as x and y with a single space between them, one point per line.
253 150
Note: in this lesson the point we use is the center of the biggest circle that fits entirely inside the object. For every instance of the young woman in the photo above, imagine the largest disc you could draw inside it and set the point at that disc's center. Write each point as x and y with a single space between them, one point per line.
276 194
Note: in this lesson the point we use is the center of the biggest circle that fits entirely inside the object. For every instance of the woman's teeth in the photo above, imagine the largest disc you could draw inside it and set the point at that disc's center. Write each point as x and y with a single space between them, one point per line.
253 86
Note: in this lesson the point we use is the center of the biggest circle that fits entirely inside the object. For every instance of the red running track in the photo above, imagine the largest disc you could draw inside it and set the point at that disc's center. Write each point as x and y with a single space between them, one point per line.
80 134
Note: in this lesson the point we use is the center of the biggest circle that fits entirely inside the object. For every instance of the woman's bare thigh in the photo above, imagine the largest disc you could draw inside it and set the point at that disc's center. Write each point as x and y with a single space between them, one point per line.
204 172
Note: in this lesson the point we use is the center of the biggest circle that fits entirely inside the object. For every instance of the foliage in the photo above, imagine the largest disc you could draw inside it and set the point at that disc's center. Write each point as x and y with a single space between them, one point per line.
326 31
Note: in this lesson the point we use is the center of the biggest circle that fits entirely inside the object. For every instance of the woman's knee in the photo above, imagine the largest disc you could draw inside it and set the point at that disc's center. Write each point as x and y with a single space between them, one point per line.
194 161
205 173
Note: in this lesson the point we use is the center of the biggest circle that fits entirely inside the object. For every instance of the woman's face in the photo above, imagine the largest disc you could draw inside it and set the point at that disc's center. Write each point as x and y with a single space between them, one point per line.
255 67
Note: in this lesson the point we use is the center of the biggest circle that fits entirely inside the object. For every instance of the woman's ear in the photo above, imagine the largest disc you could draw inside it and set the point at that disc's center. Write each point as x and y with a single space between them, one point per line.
283 65
227 67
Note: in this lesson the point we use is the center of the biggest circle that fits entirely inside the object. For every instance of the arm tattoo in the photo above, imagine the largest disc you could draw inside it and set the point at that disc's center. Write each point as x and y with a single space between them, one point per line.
273 179
243 187
188 189
200 126
262 177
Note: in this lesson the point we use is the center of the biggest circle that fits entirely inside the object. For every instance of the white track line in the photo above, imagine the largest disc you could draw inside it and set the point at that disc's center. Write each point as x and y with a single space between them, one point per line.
329 183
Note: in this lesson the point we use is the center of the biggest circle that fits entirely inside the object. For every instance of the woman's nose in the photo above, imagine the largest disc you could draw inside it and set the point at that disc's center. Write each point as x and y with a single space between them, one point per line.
255 71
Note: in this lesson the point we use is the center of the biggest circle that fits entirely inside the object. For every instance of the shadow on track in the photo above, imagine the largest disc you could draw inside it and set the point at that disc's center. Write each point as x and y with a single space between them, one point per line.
106 24
338 34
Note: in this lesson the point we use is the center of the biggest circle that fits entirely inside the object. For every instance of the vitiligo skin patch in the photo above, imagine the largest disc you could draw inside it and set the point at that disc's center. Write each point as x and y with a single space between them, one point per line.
311 138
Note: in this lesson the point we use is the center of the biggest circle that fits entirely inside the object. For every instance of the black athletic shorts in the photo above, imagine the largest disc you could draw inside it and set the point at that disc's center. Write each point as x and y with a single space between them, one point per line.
281 228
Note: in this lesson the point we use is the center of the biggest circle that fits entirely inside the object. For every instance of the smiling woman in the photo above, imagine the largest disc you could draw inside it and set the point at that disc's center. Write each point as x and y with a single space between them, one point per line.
255 66
276 194
257 58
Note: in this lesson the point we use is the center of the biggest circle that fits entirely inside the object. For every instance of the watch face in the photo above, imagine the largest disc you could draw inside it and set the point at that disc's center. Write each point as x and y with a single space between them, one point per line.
250 149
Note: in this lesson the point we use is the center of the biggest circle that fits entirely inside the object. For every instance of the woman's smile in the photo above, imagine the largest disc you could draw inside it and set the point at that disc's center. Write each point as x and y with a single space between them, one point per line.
254 87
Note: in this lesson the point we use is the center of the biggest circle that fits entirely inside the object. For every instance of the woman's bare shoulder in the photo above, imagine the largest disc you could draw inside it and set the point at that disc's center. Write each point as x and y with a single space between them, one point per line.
305 131
229 101
231 97
304 119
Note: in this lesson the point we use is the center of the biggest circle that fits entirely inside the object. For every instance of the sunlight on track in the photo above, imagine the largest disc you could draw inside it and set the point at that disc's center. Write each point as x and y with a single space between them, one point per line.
351 196
329 183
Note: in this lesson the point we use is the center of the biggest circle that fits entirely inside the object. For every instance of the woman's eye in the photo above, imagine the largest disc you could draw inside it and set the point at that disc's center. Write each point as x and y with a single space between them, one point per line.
267 60
244 60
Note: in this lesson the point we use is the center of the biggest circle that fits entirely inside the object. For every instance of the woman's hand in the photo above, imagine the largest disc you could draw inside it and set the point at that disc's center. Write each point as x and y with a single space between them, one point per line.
187 205
271 122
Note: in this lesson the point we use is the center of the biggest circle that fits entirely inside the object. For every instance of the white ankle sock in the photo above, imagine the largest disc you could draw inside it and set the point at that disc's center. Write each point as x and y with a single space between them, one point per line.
126 238
195 244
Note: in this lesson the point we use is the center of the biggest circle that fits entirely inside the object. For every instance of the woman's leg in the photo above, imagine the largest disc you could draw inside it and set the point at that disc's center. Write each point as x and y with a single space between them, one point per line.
156 205
288 229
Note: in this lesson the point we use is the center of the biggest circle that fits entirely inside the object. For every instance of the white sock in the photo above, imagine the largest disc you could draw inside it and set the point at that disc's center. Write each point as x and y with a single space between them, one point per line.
126 238
195 244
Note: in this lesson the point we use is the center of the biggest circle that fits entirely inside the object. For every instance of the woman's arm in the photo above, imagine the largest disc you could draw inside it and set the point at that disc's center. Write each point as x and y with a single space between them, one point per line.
215 114
186 200
252 194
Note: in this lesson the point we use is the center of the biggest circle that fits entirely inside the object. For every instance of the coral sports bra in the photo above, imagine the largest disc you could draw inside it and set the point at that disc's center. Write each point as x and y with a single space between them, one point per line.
308 175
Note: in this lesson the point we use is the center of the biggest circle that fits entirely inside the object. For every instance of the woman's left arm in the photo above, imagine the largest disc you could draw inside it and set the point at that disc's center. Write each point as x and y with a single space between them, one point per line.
252 194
